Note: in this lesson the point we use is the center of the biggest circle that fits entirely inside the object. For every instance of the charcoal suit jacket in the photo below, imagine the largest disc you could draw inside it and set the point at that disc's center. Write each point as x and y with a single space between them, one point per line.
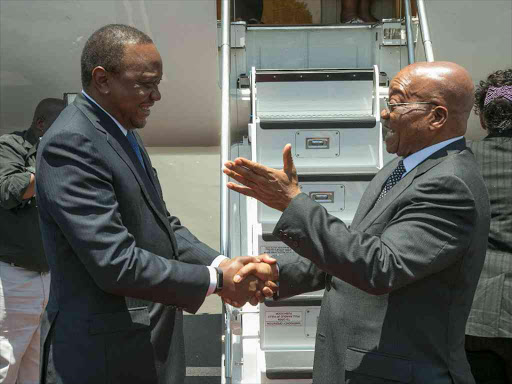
122 267
491 313
400 281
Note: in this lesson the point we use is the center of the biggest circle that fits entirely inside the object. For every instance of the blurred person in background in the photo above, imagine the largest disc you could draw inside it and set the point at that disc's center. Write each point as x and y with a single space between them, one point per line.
24 278
489 326
250 11
357 11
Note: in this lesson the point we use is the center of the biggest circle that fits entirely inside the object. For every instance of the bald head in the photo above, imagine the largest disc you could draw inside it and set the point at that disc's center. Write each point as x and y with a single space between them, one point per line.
446 84
45 114
430 103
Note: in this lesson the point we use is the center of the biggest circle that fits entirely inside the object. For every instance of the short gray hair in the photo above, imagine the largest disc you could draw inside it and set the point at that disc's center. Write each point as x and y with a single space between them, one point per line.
105 48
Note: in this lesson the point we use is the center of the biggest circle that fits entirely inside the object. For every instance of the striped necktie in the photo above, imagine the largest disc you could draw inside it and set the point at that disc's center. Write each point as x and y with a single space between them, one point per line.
135 146
393 179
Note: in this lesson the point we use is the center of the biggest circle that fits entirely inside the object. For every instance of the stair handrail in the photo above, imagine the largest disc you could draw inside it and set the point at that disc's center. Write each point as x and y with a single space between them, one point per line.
225 147
408 29
425 31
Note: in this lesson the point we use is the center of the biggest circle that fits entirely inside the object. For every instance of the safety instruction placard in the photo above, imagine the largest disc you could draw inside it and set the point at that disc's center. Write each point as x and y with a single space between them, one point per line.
284 319
276 249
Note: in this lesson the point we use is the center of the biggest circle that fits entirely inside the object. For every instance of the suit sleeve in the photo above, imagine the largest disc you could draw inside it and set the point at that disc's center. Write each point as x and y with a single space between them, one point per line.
190 249
75 188
430 230
298 275
14 176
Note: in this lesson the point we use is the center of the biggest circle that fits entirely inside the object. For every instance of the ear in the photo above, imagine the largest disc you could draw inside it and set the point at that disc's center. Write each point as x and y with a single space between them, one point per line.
101 80
40 124
439 117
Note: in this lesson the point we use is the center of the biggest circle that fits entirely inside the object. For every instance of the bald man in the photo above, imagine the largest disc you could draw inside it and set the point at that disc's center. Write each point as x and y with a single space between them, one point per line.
400 281
24 278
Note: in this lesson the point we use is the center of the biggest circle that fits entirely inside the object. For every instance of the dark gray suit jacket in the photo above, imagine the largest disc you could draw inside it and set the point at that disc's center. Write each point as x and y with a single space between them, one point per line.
401 280
491 314
122 267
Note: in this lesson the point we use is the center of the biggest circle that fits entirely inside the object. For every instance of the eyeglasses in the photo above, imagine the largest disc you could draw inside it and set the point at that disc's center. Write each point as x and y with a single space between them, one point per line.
392 106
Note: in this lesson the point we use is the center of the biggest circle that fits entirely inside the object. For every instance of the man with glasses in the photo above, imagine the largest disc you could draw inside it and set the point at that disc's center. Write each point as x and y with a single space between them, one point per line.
400 281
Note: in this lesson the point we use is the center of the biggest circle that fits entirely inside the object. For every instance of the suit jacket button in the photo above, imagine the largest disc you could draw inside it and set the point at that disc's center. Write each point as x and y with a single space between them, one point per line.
295 243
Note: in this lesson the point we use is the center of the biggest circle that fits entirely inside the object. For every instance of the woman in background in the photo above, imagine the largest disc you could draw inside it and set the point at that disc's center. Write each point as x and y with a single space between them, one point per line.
489 326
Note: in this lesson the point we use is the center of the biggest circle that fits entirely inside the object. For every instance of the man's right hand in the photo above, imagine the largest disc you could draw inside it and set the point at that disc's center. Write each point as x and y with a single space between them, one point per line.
253 288
31 189
264 269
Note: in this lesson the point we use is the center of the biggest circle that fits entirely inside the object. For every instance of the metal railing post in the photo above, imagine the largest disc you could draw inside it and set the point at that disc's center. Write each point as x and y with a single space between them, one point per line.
225 125
425 31
225 146
408 28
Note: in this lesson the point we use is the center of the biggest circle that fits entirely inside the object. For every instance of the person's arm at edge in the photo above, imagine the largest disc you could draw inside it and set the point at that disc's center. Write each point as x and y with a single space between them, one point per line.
16 182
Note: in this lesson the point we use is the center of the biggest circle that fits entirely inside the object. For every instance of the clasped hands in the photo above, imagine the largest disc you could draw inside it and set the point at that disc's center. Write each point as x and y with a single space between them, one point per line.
248 279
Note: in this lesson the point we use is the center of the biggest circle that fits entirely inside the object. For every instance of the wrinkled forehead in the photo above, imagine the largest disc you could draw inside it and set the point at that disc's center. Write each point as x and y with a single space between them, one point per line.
401 83
410 82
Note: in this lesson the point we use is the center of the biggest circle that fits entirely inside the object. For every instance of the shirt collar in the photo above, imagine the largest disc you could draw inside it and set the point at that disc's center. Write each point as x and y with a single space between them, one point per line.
30 137
412 161
123 129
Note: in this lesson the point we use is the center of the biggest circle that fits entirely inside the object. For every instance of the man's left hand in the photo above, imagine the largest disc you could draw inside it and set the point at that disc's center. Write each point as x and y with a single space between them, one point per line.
275 188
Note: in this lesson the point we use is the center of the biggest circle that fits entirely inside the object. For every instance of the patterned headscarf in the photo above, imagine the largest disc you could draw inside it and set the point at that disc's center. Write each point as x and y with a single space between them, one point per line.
495 92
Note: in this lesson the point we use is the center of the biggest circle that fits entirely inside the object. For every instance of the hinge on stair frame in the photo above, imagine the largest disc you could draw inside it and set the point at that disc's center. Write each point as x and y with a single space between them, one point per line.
243 82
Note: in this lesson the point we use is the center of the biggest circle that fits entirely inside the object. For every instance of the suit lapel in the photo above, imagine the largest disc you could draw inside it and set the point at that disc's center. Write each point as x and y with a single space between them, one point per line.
159 200
371 193
122 147
369 215
385 202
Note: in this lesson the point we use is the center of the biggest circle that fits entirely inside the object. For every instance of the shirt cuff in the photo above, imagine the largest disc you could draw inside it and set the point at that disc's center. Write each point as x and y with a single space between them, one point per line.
219 259
213 273
213 280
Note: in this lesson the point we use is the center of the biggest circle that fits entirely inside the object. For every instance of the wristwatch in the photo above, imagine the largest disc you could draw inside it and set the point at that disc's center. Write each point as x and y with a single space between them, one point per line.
220 280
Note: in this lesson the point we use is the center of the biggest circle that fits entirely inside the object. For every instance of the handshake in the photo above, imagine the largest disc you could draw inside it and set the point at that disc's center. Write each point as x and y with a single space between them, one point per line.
248 279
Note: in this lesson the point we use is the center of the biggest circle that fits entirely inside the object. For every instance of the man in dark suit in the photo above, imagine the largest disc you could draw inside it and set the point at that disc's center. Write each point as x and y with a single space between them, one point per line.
489 327
400 281
123 268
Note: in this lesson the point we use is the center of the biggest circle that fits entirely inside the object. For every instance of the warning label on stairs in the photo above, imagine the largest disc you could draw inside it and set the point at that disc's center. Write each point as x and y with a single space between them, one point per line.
283 319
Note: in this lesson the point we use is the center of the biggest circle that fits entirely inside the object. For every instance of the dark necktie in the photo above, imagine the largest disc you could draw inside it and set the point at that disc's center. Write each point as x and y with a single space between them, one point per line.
133 142
394 178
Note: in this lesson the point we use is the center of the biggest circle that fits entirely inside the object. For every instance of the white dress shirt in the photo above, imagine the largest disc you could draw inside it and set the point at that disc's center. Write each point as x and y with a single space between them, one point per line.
218 259
412 161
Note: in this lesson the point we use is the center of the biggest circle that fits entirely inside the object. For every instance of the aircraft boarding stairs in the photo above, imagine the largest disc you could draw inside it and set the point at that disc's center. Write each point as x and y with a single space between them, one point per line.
321 89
